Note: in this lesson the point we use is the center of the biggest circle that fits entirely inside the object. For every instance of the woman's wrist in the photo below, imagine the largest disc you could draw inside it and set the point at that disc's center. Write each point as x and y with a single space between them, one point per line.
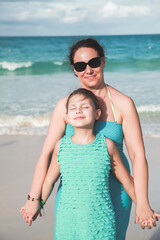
142 203
32 198
36 199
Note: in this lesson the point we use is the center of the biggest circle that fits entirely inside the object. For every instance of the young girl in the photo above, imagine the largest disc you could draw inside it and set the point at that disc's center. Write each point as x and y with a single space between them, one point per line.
84 162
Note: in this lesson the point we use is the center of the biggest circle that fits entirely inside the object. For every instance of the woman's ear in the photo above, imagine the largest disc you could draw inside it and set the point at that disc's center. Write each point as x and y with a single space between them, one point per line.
98 114
74 72
103 61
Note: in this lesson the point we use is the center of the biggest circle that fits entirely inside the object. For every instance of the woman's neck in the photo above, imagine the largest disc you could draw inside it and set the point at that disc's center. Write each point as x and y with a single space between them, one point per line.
83 136
99 91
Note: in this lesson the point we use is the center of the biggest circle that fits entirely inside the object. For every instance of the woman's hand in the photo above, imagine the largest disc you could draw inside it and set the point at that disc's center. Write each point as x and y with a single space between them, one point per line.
146 217
31 211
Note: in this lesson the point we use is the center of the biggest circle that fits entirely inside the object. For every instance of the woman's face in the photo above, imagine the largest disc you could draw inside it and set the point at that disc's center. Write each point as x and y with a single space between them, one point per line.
90 77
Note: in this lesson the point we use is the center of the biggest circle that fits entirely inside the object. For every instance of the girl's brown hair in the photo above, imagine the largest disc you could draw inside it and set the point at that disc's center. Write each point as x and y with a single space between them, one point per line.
87 94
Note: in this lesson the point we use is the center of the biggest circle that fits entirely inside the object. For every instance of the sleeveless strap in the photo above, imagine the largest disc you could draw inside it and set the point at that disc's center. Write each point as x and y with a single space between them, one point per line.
111 104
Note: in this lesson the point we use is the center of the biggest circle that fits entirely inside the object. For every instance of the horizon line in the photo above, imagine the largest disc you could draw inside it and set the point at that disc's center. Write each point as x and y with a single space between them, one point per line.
132 34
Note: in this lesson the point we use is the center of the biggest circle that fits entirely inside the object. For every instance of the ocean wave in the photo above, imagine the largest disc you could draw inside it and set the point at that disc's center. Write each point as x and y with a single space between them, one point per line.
12 66
38 124
33 68
51 67
150 115
58 63
24 125
148 108
133 64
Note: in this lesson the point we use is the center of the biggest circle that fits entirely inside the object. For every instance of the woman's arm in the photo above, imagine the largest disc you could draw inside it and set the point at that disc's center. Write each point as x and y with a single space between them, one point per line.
135 146
55 132
52 175
119 169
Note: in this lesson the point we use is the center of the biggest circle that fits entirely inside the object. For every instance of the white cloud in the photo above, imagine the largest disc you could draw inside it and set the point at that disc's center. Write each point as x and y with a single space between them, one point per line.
31 11
69 15
113 10
68 12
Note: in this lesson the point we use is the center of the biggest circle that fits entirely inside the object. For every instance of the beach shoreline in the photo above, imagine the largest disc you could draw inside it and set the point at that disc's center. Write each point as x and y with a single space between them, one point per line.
18 158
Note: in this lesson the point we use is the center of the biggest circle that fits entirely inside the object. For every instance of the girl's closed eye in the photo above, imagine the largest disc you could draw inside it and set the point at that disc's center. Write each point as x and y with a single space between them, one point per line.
86 107
72 109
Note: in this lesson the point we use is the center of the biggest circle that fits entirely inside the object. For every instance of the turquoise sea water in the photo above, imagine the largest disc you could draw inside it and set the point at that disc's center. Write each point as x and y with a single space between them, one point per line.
35 74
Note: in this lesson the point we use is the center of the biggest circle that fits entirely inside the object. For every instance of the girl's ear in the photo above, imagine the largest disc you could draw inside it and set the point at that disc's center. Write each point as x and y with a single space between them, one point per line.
98 114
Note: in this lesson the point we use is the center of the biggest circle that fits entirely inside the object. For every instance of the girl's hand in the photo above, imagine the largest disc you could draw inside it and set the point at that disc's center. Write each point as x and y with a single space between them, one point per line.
146 217
31 211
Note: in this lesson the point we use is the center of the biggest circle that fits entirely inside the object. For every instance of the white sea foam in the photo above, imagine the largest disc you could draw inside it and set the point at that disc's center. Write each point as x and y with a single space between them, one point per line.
148 108
58 63
25 125
12 66
24 121
38 125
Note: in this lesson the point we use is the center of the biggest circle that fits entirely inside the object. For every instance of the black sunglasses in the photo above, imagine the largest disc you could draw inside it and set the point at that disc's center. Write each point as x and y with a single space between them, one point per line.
93 63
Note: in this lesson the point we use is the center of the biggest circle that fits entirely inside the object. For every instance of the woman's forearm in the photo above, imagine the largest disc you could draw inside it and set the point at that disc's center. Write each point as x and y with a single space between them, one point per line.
140 173
55 132
39 176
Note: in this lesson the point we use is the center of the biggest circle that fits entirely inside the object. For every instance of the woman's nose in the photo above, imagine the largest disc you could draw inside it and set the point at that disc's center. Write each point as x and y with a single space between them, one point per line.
89 69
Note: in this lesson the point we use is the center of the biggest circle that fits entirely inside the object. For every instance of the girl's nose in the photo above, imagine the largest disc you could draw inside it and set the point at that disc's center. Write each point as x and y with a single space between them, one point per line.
78 110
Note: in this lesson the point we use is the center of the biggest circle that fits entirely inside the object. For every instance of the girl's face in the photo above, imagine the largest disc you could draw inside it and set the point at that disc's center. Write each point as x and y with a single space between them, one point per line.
90 77
81 112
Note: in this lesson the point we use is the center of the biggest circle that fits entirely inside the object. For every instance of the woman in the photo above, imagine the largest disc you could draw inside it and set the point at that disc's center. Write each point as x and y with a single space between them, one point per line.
118 120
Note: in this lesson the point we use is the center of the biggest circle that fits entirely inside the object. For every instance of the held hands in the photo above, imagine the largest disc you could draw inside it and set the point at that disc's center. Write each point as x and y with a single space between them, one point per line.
146 217
31 211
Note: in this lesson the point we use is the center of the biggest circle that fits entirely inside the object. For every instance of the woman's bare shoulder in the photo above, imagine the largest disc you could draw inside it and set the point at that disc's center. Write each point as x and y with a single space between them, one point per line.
62 102
60 107
120 98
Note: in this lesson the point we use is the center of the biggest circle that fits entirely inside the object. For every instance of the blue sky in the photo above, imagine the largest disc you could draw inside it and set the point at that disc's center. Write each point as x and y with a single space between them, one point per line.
78 17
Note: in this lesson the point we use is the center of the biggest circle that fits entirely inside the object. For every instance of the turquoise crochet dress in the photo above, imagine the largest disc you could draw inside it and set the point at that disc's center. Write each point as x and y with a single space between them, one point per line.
120 199
85 210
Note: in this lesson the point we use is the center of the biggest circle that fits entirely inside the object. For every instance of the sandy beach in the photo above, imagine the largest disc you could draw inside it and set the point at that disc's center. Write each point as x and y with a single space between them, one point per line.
18 156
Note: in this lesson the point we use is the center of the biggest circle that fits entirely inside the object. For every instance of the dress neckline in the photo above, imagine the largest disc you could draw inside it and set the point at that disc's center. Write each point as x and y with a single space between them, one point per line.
88 144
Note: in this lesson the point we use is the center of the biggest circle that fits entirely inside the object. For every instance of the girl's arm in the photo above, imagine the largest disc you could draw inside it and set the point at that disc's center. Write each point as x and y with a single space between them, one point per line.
55 132
52 175
119 169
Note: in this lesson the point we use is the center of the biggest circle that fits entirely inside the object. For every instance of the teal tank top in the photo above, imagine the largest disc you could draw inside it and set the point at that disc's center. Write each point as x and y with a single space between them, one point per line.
85 210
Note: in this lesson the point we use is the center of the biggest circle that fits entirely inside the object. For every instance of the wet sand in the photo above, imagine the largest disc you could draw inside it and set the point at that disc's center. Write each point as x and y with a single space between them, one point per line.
18 156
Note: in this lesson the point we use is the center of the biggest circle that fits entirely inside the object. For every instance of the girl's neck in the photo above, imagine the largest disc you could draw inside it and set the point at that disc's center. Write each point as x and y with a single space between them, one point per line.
83 136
